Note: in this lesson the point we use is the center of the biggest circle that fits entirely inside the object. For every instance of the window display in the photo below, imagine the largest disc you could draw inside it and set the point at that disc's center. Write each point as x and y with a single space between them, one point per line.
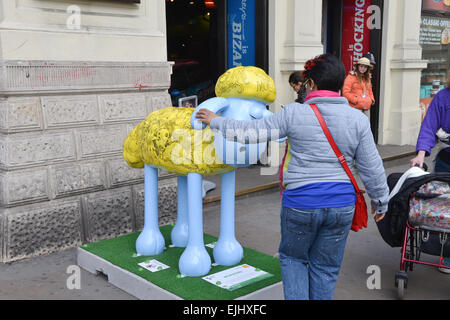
434 39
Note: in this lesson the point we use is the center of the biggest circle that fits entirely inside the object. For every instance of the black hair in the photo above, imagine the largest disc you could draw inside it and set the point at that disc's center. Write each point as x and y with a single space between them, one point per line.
296 77
327 71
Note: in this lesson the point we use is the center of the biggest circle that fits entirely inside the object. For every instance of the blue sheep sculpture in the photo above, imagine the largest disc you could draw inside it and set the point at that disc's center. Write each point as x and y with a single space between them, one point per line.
172 139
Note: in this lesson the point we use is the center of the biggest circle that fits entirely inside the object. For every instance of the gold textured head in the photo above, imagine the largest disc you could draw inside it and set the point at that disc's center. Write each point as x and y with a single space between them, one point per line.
246 83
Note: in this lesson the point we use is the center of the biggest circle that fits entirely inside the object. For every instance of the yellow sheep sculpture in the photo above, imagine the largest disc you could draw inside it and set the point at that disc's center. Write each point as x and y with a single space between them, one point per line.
173 140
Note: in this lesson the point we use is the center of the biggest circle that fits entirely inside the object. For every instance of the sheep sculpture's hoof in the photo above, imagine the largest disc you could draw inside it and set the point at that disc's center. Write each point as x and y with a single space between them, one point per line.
228 252
180 235
195 262
150 243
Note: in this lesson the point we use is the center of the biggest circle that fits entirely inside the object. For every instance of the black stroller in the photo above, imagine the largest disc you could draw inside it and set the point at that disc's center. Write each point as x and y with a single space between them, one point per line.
418 221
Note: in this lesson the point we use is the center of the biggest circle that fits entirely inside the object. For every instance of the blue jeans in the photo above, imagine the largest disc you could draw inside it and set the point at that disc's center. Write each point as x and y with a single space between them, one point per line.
441 166
311 250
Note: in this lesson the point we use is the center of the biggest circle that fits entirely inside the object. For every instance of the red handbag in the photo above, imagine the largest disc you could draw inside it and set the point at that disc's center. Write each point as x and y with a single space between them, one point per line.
360 217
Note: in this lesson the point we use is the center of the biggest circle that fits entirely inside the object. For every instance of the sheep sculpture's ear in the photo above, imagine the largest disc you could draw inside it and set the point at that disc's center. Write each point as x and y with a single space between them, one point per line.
216 105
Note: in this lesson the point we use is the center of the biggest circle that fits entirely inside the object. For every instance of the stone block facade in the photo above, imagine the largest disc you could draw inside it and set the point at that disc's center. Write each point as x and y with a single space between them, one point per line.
63 181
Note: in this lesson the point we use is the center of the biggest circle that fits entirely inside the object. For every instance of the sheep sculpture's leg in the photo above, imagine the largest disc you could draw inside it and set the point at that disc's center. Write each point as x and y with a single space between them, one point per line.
150 242
227 251
180 232
195 260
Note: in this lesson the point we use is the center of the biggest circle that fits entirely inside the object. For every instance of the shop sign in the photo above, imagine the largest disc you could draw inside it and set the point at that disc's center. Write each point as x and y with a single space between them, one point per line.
241 33
355 31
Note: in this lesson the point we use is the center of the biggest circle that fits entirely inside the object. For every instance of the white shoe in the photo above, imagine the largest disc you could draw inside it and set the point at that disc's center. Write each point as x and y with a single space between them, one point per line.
444 270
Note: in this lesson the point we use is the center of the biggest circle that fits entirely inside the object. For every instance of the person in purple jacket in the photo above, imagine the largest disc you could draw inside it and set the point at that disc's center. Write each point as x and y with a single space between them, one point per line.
438 117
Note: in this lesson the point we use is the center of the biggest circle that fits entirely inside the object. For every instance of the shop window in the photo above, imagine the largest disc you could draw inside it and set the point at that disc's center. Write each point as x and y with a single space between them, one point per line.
434 39
192 46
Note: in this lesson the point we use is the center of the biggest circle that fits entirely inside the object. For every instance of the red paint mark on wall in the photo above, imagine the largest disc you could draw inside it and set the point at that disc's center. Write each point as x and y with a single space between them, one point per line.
43 76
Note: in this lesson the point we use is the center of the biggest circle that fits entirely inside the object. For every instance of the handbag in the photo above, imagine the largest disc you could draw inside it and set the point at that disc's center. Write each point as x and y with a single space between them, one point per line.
360 217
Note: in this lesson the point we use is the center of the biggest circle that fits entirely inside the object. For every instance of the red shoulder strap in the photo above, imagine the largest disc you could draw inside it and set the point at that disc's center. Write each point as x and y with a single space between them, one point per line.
335 148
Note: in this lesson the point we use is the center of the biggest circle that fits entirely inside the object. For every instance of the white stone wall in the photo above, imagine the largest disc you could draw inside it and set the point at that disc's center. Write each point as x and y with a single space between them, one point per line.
63 180
294 38
401 67
68 99
107 30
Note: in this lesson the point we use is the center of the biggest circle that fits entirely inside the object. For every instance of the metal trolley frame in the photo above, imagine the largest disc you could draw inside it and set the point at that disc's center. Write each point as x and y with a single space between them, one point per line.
411 253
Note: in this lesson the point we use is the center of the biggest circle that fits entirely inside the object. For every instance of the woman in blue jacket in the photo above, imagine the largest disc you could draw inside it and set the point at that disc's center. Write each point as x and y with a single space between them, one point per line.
318 204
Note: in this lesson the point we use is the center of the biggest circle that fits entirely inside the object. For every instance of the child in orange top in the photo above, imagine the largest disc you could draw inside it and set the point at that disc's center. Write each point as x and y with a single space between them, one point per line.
358 86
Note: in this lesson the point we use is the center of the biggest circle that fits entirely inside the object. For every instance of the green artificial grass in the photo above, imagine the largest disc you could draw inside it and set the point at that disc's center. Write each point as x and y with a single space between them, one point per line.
121 252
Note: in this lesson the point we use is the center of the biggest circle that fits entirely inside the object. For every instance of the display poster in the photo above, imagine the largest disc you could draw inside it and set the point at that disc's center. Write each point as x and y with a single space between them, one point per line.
188 102
435 41
355 32
436 5
424 105
237 277
434 31
241 33
153 265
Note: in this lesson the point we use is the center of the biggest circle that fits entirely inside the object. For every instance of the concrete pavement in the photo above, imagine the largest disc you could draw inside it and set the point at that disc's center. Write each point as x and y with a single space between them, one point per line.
257 227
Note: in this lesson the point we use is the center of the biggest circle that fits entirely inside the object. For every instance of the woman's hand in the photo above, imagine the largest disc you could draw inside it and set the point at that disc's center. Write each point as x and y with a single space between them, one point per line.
206 116
419 159
378 216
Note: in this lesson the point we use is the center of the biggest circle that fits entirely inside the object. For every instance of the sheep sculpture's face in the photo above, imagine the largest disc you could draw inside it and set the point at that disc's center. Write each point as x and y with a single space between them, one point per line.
236 154
243 94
